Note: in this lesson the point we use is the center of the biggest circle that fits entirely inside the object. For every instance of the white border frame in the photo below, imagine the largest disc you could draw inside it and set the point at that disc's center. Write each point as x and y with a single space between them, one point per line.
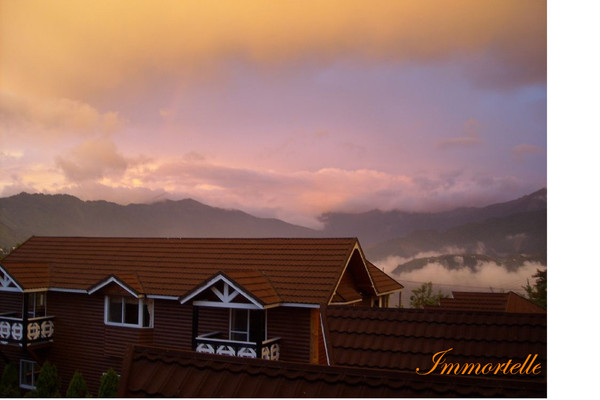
140 324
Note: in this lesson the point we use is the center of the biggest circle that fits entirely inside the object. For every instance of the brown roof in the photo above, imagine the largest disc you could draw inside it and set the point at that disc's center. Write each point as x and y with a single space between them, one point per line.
159 372
383 282
406 339
487 301
286 270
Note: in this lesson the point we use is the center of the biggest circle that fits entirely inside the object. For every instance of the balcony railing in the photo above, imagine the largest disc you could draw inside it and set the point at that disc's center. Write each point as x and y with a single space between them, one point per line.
13 329
211 343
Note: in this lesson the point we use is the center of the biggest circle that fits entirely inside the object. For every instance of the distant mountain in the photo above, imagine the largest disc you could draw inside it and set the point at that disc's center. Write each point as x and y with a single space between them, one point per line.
521 233
498 230
379 226
24 215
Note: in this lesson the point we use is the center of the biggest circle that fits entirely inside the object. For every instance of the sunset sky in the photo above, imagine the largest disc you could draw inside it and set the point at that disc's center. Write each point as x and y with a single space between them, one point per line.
283 109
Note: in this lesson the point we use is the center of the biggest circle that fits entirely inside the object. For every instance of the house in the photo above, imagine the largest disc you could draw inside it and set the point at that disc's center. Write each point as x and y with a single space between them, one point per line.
486 301
81 302
160 372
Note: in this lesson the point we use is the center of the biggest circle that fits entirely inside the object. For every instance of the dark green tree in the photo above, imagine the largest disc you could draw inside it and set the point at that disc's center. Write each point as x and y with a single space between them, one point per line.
109 384
48 382
424 296
537 293
77 386
9 385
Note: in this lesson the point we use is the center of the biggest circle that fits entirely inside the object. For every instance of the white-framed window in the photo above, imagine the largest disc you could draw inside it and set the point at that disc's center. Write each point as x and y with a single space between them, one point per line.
37 304
28 373
239 324
128 311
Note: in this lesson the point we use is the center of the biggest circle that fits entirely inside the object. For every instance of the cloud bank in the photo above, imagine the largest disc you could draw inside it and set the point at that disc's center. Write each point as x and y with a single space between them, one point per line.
485 277
90 47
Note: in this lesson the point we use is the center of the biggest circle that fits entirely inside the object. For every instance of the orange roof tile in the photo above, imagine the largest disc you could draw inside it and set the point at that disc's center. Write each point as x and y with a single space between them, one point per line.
161 372
383 282
275 269
406 339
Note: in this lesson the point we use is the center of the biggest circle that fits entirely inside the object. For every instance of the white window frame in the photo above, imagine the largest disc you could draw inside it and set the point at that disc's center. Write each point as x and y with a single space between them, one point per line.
35 370
231 331
34 297
141 302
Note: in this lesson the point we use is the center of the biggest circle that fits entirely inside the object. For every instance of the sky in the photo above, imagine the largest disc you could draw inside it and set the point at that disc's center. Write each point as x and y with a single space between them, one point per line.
284 109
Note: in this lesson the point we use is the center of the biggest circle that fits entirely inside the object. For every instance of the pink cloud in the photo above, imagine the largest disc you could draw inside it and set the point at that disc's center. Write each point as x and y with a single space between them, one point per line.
471 136
523 150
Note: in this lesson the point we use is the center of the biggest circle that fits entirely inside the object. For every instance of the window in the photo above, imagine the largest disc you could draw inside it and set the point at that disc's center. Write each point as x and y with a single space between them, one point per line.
239 325
37 304
29 371
129 311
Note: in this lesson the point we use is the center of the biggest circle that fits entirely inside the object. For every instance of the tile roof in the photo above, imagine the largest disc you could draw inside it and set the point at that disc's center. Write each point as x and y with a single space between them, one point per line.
289 270
383 282
159 372
406 339
486 301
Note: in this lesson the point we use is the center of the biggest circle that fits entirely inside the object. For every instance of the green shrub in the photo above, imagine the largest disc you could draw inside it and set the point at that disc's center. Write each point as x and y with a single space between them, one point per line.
77 386
48 382
9 384
109 384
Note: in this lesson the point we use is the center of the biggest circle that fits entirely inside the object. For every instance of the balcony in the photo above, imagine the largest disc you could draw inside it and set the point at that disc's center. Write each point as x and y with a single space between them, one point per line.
34 330
214 343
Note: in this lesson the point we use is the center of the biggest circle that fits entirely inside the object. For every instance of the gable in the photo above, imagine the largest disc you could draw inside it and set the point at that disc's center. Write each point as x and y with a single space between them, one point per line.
355 282
222 291
113 285
7 283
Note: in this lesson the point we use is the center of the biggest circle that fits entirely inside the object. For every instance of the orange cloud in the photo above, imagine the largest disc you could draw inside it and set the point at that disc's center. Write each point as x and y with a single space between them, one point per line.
92 160
50 118
70 49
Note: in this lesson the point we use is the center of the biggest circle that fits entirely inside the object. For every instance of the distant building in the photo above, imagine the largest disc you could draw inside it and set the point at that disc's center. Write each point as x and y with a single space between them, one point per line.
486 301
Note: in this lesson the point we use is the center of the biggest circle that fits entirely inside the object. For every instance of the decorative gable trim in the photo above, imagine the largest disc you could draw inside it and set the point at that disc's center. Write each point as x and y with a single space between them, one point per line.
225 297
344 303
113 279
7 283
356 247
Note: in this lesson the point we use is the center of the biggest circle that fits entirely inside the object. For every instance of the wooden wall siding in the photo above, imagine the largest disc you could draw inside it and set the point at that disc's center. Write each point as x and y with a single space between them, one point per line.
172 324
315 327
12 354
11 302
293 326
213 320
321 344
117 339
79 338
82 342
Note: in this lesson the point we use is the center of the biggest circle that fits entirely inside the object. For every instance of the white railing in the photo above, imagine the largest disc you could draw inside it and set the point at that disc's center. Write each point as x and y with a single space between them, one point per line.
37 330
210 344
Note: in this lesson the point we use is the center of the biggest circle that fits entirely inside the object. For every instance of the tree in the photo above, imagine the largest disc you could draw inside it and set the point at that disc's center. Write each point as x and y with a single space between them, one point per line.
109 384
48 382
77 386
9 385
537 293
424 296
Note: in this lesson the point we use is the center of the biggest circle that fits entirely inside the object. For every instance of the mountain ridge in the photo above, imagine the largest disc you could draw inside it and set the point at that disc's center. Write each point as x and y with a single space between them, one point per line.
381 233
24 215
377 226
